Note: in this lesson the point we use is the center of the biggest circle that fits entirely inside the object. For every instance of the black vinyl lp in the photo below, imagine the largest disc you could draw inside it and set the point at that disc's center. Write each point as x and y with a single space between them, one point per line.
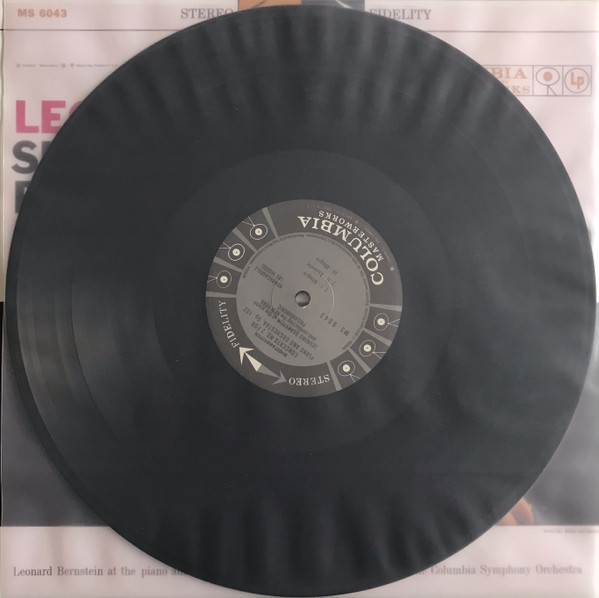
300 300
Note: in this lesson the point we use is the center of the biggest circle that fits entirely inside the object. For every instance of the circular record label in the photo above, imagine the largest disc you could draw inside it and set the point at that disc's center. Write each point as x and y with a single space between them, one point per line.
304 298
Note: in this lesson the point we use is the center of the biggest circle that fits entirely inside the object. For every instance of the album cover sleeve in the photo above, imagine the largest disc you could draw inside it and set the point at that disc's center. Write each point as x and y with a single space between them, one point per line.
55 53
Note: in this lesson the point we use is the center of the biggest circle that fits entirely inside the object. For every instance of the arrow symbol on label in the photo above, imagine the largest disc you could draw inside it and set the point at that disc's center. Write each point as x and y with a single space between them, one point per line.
259 367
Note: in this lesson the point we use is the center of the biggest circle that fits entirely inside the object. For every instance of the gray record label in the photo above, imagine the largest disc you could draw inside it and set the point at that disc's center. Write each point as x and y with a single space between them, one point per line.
304 298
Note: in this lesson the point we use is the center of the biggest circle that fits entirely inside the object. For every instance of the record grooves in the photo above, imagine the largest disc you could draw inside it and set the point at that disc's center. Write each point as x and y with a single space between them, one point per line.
300 300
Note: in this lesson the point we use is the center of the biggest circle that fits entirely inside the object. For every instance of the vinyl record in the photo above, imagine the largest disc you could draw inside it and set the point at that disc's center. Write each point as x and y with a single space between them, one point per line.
300 300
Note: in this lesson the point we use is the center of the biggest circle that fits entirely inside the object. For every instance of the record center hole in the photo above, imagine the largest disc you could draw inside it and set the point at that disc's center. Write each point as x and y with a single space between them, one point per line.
302 298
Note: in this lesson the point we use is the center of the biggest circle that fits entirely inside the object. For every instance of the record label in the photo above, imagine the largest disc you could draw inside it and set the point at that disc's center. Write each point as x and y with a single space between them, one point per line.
304 298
